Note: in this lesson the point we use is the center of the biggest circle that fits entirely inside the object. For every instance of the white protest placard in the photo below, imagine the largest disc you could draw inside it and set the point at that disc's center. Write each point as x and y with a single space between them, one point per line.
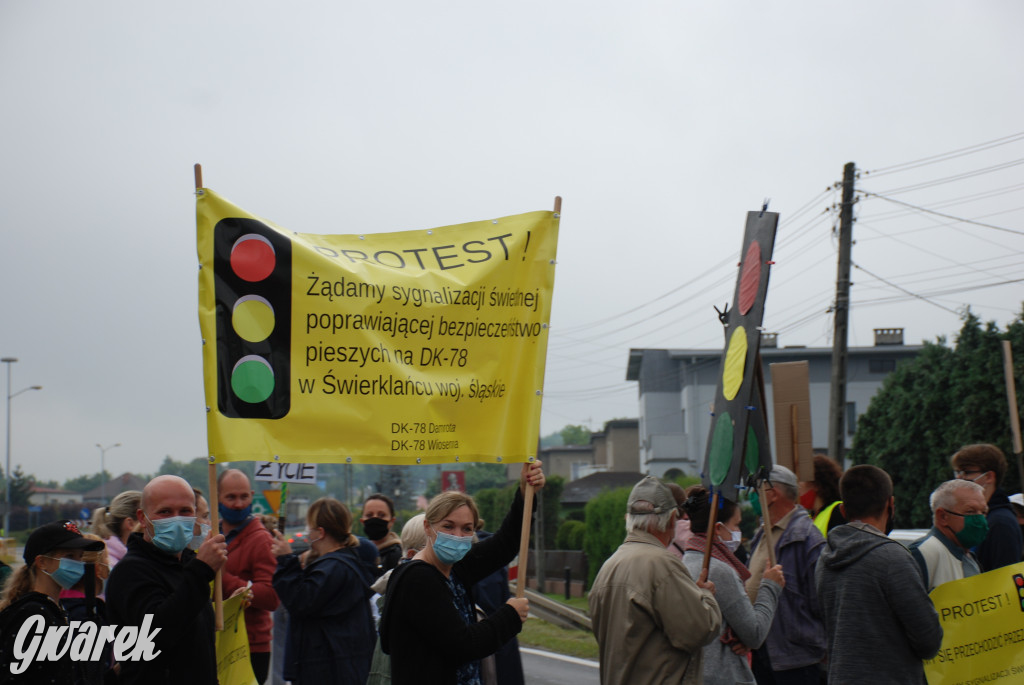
280 472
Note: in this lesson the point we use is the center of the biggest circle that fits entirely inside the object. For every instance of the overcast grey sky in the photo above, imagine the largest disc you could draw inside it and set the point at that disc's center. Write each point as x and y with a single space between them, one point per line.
660 123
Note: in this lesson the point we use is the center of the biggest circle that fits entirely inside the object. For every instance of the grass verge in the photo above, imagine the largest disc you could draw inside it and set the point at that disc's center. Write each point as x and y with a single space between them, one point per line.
543 635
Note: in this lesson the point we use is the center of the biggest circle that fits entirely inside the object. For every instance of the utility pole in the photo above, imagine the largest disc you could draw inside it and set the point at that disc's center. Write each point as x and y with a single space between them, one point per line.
837 405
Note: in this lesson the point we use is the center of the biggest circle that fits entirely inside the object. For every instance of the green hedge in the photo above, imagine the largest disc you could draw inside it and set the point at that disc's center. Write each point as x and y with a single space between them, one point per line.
570 535
605 527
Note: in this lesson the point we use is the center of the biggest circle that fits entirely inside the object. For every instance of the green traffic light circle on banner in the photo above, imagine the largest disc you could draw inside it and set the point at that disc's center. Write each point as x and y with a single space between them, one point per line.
735 363
253 318
252 379
720 454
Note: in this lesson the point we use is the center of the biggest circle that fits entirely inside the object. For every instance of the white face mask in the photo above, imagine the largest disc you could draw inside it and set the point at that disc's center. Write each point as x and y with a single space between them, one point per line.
734 542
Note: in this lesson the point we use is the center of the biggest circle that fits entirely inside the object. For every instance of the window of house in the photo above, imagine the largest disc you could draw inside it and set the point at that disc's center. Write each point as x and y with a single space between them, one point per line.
882 365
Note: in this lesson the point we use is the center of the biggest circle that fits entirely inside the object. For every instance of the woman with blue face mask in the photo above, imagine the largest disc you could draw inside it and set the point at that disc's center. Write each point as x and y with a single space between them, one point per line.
53 560
428 624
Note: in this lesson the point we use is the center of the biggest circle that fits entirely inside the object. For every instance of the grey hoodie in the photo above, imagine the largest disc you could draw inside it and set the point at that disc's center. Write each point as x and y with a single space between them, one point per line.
879 621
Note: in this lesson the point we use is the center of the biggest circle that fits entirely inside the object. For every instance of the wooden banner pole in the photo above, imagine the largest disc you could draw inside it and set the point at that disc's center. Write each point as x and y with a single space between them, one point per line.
1011 399
767 537
709 536
524 538
218 580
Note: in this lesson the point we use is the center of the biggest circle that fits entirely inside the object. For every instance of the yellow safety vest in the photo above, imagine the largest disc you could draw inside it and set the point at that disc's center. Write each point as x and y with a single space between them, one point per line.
821 520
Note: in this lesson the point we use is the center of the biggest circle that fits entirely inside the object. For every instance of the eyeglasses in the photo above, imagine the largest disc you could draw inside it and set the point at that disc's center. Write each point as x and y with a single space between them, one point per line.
956 513
961 474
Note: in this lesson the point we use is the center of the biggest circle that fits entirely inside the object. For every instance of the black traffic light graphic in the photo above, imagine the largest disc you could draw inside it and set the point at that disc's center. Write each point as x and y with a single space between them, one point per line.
1018 582
252 269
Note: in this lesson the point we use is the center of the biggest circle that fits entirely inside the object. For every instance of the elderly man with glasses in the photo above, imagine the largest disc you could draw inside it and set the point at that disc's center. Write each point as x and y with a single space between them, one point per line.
958 524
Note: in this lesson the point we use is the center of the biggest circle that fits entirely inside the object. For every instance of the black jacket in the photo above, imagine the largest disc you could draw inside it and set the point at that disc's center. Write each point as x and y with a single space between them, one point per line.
421 628
1003 544
177 594
330 628
39 672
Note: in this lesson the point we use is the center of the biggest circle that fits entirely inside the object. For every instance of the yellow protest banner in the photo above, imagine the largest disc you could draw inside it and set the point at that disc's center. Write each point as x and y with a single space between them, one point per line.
983 629
415 347
232 644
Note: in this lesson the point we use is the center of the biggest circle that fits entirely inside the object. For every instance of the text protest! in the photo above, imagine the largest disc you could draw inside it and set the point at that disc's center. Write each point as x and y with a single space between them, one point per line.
323 348
982 640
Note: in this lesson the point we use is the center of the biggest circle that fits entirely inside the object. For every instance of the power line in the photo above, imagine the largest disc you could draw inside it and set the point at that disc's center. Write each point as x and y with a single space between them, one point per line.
944 216
944 156
955 177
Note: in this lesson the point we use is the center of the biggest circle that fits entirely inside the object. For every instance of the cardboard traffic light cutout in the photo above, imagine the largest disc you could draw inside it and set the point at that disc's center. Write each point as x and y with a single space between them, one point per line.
737 442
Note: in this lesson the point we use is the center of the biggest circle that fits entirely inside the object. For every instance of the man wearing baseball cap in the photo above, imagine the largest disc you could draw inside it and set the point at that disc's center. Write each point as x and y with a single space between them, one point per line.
53 560
796 644
650 619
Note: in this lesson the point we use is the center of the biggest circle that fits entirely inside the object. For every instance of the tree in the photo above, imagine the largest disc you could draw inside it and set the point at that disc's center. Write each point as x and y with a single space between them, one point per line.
606 528
86 483
21 487
196 472
575 435
933 405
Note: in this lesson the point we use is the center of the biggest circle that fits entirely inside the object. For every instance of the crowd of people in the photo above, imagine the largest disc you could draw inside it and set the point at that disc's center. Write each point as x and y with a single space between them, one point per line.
152 557
682 600
842 603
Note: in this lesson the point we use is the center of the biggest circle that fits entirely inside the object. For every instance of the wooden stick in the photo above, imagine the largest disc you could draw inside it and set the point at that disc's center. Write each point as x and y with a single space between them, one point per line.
198 169
767 537
558 204
524 538
218 580
1011 399
712 516
795 439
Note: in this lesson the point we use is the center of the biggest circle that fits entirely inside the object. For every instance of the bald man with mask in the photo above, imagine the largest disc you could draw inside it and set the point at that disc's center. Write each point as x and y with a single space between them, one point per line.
159 576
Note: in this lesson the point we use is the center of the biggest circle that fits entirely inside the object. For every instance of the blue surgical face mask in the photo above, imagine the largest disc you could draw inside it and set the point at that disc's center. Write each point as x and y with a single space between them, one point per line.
68 573
450 549
197 540
172 534
234 516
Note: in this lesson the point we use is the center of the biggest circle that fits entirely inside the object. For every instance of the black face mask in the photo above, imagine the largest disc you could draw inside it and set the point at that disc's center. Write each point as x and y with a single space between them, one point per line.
376 529
890 523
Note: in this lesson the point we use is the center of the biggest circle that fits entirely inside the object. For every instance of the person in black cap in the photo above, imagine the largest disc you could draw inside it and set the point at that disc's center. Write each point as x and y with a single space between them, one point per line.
53 560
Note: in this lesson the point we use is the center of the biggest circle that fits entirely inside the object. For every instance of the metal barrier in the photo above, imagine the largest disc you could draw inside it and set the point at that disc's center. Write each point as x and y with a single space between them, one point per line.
555 612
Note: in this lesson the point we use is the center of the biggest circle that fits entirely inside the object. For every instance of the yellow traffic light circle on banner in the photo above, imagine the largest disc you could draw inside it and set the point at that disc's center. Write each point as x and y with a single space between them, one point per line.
735 363
253 318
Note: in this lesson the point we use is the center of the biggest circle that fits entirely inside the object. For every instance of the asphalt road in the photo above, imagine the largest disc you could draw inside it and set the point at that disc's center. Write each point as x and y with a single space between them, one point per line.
548 668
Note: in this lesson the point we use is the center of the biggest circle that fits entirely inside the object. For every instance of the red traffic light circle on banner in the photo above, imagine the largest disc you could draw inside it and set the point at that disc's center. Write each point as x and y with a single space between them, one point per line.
252 258
750 277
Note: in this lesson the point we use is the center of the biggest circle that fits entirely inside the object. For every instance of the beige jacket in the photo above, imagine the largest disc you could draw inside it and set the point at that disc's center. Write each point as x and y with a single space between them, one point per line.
650 619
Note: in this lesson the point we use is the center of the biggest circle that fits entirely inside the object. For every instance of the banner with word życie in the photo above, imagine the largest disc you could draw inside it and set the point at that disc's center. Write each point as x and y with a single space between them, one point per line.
418 347
983 629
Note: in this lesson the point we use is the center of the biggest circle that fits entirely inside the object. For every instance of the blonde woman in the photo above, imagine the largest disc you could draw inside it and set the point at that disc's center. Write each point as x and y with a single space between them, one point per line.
116 522
53 560
429 626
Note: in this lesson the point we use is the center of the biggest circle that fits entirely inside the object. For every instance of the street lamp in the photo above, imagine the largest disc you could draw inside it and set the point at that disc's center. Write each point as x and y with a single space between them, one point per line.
103 468
7 472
